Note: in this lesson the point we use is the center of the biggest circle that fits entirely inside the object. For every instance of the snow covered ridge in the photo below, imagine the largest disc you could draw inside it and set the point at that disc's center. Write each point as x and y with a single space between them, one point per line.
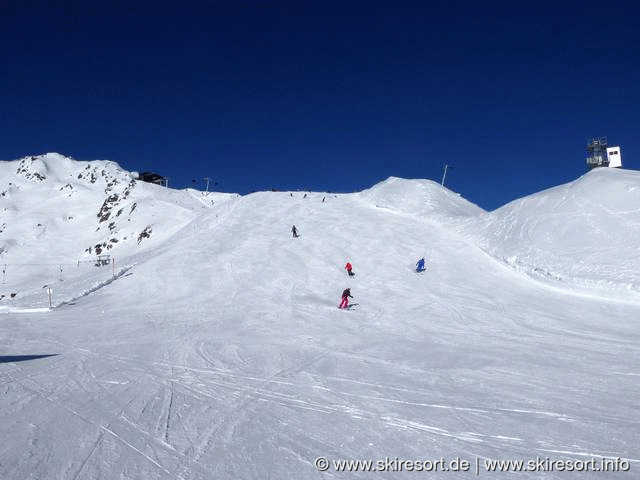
424 198
57 208
581 233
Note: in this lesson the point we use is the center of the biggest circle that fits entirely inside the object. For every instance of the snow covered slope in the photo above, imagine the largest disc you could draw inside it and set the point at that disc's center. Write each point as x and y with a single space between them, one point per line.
60 214
579 234
220 352
81 209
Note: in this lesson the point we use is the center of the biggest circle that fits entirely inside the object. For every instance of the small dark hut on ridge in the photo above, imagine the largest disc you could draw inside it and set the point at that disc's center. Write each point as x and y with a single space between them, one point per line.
151 177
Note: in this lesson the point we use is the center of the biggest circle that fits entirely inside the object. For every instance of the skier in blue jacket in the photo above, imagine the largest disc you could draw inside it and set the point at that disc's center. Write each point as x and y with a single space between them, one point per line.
420 265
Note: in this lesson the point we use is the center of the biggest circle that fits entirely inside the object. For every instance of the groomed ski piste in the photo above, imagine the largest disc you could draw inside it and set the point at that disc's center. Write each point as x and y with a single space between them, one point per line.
214 348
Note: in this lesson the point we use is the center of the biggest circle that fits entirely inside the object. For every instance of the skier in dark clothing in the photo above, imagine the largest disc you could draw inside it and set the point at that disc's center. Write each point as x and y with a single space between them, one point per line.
345 298
420 265
294 230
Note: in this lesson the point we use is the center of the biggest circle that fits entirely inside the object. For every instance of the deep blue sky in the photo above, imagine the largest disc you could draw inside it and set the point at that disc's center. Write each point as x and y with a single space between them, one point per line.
324 96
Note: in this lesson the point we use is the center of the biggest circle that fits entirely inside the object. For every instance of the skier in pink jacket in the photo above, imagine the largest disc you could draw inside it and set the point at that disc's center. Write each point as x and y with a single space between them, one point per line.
345 298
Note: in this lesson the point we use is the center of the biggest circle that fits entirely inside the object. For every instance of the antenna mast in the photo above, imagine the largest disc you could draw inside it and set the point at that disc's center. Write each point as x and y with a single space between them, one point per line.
597 149
446 167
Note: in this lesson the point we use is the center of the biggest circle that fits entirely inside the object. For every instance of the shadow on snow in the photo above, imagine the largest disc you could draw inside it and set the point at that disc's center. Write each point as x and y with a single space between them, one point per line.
23 358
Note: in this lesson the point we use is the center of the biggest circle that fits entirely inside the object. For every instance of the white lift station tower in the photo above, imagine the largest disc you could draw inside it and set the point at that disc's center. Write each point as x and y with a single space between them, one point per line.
602 155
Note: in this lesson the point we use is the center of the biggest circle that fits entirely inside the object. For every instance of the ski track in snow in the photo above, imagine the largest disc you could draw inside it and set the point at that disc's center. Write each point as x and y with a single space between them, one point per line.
250 389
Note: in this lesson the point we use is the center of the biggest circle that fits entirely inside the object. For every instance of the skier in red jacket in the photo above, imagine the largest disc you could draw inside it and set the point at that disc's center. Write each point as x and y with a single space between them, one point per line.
349 268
